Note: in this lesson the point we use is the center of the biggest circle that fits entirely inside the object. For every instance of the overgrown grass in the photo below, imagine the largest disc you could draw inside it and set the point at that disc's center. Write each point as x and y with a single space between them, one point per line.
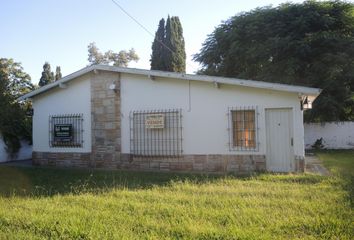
341 165
45 203
338 161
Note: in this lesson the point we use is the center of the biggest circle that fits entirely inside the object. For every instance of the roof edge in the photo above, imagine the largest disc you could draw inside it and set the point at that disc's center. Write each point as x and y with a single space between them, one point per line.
189 77
57 83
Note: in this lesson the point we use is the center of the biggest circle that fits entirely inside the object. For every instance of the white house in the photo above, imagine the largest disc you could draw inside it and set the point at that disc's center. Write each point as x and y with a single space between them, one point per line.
112 117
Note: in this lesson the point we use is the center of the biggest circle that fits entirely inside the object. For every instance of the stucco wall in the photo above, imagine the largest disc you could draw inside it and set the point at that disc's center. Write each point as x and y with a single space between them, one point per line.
335 135
74 99
204 109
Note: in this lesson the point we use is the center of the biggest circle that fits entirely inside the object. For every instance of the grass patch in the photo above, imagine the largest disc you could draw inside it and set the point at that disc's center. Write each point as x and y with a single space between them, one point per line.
341 165
338 161
43 203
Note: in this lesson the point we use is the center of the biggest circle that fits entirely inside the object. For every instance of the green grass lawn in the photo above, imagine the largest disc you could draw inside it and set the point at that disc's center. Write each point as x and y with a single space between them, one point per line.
47 203
339 162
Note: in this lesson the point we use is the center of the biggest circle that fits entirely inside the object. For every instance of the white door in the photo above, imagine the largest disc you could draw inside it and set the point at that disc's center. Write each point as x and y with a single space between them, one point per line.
279 130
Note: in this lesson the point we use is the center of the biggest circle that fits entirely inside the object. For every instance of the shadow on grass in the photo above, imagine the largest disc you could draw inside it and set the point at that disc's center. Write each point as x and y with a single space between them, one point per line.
47 181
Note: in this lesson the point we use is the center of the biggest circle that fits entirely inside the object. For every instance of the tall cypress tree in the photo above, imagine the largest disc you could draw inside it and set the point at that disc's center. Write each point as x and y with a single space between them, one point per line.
168 48
157 61
176 59
172 52
47 75
58 73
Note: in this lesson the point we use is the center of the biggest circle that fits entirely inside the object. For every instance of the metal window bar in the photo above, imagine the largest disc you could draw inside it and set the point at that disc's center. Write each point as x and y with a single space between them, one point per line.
243 128
74 122
161 140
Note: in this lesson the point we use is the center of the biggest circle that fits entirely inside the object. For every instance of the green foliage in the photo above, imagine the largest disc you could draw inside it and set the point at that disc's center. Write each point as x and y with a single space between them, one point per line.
158 49
58 73
47 75
310 43
14 81
14 124
175 60
168 48
43 203
120 59
95 56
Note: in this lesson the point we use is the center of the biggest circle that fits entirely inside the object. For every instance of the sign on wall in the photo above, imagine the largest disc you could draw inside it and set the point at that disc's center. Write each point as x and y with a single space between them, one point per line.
63 132
155 121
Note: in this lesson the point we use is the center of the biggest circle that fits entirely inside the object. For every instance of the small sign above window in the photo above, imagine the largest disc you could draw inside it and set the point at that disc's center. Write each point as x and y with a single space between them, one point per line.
155 121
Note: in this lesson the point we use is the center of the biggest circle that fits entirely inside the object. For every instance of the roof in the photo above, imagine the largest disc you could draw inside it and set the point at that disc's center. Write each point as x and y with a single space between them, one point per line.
313 92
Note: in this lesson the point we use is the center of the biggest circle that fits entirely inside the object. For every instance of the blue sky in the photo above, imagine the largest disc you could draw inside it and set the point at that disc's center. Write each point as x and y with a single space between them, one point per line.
58 31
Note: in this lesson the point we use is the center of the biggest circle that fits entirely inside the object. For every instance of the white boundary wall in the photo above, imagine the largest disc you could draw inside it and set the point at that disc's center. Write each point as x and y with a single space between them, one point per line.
24 153
335 135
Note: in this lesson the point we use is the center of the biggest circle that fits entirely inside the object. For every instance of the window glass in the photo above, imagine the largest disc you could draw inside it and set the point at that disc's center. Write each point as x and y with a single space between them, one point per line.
243 129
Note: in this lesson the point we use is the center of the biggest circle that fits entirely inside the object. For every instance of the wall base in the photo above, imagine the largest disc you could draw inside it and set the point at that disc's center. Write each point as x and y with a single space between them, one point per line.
187 163
196 163
61 159
299 164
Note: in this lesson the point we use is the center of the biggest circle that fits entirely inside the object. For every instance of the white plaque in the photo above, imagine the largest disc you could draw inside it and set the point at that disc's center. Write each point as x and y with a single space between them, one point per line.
155 121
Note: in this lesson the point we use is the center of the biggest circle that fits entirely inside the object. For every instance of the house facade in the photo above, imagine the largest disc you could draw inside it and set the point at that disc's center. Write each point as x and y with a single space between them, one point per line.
122 118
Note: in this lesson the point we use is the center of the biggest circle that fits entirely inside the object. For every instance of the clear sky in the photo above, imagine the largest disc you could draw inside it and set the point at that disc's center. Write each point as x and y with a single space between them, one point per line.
58 31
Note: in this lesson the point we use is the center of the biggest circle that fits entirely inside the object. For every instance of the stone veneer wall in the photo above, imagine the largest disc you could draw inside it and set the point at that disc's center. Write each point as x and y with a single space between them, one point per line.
61 159
196 163
105 117
186 163
299 163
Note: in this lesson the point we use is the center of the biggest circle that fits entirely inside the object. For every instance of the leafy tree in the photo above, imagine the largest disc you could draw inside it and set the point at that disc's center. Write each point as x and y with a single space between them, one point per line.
47 75
168 48
14 124
158 49
95 56
58 73
120 59
310 44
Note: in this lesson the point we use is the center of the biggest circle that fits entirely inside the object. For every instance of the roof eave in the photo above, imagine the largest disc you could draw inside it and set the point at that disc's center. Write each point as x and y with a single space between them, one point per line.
189 77
212 79
57 83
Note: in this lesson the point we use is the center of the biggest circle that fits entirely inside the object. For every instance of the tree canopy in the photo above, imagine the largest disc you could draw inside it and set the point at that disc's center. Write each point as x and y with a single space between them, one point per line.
158 48
310 43
47 75
120 59
14 124
168 48
14 82
58 73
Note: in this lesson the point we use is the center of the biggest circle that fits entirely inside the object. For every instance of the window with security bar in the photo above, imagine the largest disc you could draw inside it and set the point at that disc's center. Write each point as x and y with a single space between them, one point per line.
66 130
243 129
156 133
